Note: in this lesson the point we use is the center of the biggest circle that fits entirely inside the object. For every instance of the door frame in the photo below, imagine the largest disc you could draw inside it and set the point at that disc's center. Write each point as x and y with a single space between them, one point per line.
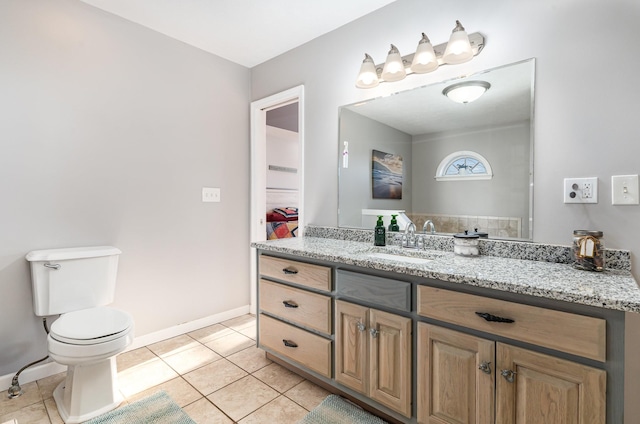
257 226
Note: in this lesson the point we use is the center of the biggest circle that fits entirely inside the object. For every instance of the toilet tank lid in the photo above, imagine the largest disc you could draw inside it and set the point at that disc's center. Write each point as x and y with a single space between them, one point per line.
71 253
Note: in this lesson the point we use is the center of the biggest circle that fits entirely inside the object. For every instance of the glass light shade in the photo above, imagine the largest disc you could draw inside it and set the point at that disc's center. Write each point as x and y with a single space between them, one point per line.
393 67
466 92
458 48
368 77
424 59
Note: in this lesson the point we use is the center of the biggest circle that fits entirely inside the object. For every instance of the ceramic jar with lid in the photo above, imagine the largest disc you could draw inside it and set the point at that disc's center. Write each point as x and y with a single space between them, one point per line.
466 244
588 250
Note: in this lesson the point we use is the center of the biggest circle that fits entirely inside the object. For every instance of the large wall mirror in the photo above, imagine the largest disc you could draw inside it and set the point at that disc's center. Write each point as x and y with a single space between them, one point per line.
461 165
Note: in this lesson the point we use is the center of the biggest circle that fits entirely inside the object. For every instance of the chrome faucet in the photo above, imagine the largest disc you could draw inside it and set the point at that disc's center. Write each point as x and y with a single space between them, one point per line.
426 226
409 238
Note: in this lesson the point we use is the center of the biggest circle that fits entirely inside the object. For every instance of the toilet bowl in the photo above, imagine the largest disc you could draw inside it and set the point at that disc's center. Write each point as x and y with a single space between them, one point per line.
77 284
87 341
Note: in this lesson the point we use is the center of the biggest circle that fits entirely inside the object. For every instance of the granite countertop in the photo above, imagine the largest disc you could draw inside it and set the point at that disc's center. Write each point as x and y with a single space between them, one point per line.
611 289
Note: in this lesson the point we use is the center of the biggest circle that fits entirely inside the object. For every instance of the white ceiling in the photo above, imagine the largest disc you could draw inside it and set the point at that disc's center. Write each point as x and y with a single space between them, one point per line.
247 32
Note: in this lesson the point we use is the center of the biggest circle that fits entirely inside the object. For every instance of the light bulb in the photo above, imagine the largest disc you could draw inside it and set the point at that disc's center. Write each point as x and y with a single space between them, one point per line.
424 59
368 77
393 67
458 48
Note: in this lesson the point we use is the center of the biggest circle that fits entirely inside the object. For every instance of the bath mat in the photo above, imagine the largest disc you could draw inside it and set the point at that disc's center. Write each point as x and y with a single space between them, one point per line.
336 410
158 408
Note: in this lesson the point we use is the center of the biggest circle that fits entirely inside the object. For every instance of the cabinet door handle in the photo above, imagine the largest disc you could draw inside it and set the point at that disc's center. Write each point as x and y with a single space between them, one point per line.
289 343
361 327
493 318
485 367
289 304
374 333
508 375
290 271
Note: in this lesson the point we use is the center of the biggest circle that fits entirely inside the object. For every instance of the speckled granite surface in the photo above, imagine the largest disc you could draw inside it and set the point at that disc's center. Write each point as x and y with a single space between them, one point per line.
612 289
615 259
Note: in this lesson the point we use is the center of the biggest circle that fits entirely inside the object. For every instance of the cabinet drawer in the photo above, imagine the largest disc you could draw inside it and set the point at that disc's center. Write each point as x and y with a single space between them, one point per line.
311 351
375 290
314 276
571 333
299 306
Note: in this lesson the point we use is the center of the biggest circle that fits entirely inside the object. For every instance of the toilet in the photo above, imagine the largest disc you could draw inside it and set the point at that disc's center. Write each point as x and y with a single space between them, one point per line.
77 284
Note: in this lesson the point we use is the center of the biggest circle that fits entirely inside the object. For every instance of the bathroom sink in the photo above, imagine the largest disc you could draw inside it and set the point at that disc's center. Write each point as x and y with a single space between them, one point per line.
400 258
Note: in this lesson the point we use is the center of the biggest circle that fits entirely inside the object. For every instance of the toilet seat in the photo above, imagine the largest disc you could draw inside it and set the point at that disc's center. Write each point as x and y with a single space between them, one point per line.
91 326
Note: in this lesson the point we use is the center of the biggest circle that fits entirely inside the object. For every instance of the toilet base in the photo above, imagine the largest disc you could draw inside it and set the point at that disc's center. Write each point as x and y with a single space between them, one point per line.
88 391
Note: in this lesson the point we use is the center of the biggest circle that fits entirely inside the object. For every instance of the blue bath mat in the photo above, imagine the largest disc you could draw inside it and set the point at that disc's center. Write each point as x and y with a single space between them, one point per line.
337 410
158 408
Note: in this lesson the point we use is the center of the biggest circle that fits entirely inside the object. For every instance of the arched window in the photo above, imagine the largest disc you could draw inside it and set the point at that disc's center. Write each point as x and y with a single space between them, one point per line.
464 165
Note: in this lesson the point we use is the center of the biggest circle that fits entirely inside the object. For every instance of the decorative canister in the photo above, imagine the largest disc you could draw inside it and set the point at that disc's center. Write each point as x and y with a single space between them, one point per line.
465 244
588 250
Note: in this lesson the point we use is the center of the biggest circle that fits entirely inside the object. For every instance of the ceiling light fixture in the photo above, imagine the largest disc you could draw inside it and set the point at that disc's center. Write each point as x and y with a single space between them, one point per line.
427 58
467 91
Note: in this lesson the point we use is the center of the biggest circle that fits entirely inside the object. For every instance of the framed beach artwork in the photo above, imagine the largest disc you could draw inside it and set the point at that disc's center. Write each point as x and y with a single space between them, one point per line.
386 175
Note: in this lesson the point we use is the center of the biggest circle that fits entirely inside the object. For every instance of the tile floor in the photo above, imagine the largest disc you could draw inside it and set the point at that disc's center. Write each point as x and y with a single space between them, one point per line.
216 374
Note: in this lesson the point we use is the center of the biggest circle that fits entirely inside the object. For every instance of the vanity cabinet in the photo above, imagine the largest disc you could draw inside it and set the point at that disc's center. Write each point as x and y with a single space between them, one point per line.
458 371
295 312
373 354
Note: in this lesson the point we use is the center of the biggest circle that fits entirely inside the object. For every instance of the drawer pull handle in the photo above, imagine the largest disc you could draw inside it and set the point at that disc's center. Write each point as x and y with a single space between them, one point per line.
493 318
289 304
508 375
485 367
290 271
289 343
361 327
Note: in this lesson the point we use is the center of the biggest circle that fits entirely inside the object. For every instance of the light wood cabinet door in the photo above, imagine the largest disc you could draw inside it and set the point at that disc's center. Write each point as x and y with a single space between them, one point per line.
545 389
456 374
351 346
390 360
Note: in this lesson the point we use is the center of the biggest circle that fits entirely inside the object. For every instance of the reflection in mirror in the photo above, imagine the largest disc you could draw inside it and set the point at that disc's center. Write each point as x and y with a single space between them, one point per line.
441 146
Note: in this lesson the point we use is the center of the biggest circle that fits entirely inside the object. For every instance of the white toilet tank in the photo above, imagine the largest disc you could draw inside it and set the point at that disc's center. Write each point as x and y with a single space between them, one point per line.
66 280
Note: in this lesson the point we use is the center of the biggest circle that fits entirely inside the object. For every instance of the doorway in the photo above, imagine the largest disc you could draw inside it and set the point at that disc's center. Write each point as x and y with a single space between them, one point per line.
277 170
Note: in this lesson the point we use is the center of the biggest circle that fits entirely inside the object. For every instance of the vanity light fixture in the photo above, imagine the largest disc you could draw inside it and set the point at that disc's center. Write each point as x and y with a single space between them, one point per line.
467 91
460 48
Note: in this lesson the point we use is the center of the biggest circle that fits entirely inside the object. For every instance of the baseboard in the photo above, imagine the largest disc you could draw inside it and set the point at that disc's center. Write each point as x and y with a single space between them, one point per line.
50 368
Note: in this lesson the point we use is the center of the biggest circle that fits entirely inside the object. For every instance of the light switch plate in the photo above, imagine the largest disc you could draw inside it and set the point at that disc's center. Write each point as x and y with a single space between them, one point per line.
210 194
624 190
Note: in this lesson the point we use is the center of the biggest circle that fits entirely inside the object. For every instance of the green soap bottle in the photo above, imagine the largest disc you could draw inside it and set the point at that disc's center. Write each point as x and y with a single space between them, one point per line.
394 224
379 233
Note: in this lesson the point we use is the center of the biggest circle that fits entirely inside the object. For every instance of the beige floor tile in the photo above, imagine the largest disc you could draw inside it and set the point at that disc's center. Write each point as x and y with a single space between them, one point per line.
173 345
214 376
282 410
241 398
35 413
241 322
30 396
178 389
203 412
52 410
138 378
48 384
230 344
307 394
250 331
133 358
191 359
250 359
210 333
278 377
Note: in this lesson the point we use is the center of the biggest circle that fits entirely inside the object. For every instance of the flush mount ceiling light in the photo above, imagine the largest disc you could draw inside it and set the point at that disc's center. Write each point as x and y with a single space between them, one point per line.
467 91
427 58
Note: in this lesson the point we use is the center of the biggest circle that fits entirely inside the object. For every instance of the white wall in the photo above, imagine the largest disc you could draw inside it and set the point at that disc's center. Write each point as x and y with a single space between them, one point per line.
108 132
586 101
283 149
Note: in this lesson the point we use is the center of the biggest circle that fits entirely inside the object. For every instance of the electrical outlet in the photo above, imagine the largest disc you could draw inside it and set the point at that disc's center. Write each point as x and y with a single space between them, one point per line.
581 190
210 194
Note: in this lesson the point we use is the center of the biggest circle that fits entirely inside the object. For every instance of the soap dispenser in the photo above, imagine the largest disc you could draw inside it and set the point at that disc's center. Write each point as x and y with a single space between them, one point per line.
379 233
394 224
